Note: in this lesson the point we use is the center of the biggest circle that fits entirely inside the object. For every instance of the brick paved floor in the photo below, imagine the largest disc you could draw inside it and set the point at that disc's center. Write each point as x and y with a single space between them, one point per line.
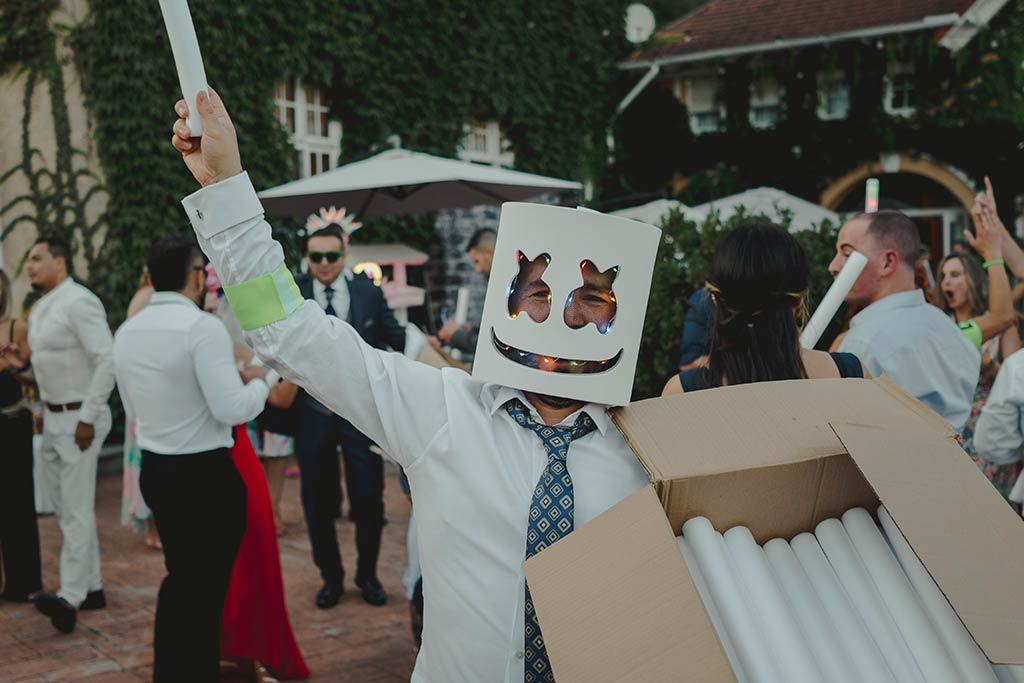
353 642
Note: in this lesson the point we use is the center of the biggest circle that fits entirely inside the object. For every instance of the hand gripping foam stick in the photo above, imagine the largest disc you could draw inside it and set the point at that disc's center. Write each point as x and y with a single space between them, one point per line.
972 664
187 58
918 631
833 299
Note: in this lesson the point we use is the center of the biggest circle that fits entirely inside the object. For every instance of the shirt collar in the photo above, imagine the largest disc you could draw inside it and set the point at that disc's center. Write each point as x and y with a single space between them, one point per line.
63 286
171 298
500 395
319 287
908 299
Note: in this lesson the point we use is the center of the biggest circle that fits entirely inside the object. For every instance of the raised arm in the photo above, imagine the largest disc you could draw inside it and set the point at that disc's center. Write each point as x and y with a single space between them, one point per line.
988 240
1011 250
398 403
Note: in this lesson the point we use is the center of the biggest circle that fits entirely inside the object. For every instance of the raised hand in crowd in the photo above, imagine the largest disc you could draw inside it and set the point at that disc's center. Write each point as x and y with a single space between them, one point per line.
989 239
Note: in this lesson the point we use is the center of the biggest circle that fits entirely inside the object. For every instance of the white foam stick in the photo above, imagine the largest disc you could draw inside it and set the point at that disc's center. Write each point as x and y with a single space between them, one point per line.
709 605
833 299
968 657
852 573
822 637
1009 674
462 305
867 658
716 566
187 58
776 619
899 596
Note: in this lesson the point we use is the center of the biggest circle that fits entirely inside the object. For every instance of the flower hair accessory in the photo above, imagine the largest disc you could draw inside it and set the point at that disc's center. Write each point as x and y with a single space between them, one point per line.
333 216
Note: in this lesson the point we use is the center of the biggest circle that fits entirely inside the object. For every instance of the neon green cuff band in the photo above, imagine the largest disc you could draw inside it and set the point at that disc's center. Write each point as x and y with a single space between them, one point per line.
972 329
993 262
264 300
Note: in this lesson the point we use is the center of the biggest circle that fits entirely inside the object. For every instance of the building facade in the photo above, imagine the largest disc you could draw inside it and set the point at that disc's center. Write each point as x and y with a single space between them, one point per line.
816 97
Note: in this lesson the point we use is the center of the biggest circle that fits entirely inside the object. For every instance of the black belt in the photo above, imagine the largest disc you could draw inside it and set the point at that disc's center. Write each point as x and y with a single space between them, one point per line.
60 408
223 451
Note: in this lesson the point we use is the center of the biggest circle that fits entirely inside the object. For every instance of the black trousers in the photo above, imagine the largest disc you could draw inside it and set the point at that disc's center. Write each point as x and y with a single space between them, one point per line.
19 534
317 438
198 503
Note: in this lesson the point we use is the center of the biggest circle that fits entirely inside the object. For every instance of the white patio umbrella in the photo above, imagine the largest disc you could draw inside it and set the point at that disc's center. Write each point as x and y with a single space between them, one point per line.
652 213
769 201
400 181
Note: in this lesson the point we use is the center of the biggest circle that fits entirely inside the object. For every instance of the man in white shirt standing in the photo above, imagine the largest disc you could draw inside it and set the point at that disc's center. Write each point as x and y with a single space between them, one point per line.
897 332
490 466
71 356
999 434
176 369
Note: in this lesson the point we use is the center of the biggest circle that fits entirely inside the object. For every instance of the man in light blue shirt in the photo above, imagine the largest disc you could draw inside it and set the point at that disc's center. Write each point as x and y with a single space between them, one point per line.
898 333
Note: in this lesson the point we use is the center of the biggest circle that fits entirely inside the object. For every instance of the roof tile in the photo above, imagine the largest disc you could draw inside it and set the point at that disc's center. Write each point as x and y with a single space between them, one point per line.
723 24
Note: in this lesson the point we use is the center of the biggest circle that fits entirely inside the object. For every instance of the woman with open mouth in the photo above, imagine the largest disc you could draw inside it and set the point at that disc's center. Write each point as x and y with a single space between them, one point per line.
976 295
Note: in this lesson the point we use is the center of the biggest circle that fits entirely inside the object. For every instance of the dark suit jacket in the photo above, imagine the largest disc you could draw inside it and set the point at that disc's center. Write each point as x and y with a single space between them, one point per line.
368 313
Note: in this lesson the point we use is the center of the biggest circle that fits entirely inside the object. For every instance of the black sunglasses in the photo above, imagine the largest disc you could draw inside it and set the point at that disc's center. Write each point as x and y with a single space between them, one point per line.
318 256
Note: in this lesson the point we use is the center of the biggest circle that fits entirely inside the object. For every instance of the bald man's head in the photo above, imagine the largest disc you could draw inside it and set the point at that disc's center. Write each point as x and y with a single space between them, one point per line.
481 249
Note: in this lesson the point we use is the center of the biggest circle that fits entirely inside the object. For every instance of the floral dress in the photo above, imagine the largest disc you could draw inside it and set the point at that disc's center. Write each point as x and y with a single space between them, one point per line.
1003 477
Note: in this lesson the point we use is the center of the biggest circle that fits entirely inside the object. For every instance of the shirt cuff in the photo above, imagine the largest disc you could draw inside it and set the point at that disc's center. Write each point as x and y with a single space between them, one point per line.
215 208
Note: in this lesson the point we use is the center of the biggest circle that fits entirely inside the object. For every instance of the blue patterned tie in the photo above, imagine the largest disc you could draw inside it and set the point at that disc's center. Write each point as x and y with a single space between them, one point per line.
551 518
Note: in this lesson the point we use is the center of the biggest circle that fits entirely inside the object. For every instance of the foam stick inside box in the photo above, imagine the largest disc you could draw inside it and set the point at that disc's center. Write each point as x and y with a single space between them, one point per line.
843 605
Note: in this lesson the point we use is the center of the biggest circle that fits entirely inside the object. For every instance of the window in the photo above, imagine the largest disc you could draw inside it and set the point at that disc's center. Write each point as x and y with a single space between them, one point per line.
705 122
833 96
485 143
764 116
900 90
302 110
765 103
701 97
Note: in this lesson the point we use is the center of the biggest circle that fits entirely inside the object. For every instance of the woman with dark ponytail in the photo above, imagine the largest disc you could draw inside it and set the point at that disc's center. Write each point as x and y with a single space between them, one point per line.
758 283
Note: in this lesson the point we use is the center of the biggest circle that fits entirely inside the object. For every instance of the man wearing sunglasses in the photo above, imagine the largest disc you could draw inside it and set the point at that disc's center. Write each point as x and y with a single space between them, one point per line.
319 432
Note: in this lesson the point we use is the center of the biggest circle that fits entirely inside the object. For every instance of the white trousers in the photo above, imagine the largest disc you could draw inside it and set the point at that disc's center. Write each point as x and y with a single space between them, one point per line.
44 503
71 477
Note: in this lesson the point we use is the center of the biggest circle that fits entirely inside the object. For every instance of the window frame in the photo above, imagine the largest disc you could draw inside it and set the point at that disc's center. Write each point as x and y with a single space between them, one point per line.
319 151
496 146
900 70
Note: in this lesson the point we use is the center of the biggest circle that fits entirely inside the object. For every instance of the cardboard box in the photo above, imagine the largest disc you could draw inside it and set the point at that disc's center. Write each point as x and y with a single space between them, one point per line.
614 598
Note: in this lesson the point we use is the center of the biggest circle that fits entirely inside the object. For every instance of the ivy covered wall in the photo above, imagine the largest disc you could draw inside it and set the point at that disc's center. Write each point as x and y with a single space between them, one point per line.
417 68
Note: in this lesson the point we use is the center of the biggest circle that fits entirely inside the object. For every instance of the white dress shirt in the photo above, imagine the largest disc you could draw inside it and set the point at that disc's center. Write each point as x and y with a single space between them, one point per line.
340 297
921 349
471 467
176 368
71 349
999 434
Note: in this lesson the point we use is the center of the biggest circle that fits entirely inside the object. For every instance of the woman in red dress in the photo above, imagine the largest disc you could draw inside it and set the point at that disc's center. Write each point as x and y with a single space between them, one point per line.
255 626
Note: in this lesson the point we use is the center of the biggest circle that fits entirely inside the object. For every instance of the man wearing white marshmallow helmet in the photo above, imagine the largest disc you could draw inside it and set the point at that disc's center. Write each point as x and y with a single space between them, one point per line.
503 463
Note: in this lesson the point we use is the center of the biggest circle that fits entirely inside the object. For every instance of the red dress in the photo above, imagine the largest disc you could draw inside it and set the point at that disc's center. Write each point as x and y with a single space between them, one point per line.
255 623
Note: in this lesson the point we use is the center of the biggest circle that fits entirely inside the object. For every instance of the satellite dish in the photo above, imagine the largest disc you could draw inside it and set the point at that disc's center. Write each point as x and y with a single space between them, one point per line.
640 23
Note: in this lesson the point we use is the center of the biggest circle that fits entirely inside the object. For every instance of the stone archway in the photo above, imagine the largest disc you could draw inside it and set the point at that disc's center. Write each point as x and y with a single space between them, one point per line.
833 196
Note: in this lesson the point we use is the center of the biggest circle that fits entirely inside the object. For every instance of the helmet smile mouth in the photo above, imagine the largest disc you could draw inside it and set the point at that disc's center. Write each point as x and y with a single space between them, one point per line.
568 366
